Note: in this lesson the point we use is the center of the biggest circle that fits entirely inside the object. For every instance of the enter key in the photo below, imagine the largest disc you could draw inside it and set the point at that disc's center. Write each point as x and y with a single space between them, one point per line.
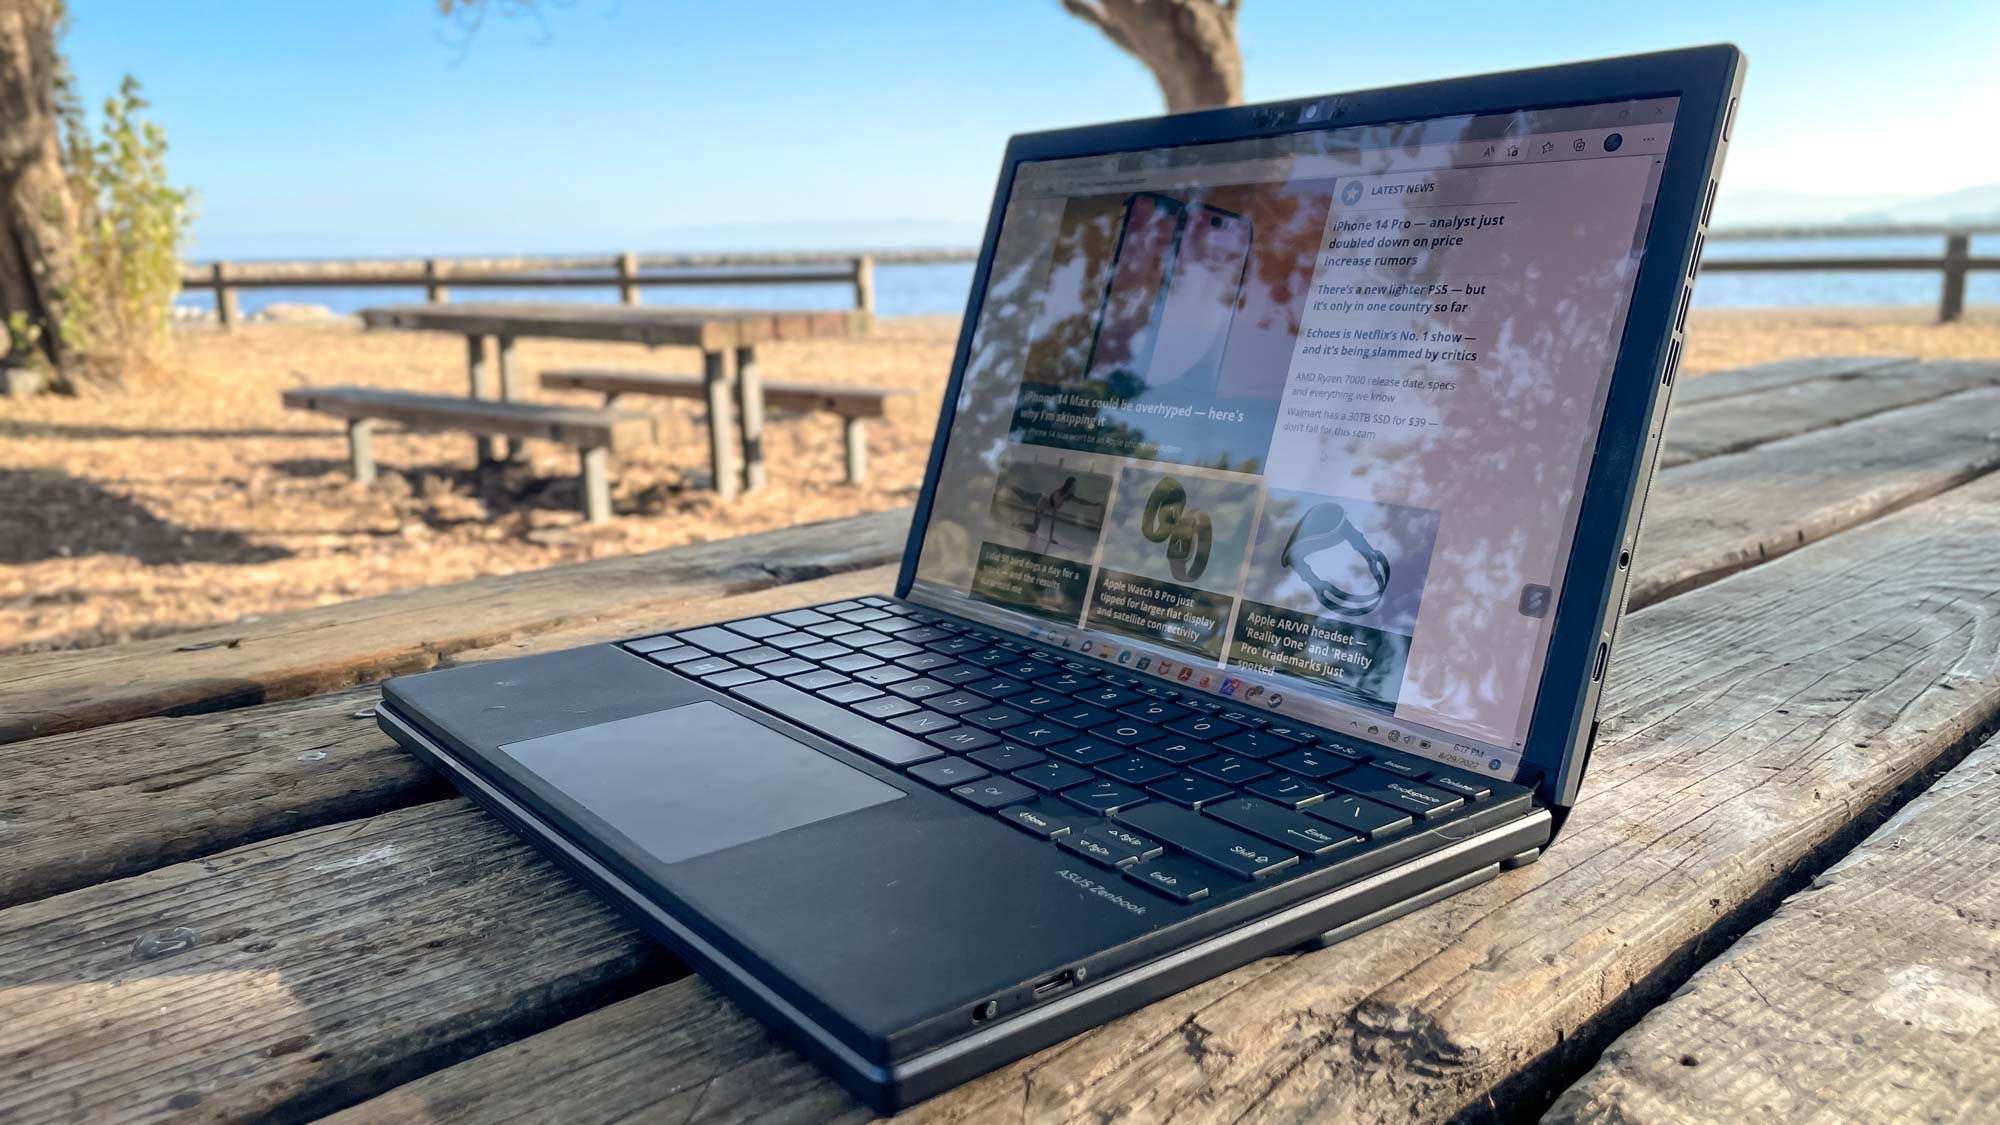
1283 826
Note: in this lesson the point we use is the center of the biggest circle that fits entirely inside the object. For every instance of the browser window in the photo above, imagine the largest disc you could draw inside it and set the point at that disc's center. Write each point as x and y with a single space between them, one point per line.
1302 422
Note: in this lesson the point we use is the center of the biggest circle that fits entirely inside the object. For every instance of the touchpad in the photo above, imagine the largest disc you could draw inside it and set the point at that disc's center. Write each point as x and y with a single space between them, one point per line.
696 779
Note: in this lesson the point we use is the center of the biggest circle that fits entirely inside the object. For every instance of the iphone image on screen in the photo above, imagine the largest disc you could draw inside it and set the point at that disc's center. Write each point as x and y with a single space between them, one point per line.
1128 317
1204 286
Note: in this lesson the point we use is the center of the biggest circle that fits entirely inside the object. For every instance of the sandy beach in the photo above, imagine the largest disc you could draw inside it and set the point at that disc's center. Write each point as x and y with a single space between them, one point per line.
191 497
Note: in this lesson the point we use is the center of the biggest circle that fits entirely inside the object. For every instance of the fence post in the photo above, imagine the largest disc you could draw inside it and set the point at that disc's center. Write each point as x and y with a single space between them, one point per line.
864 289
434 290
1951 298
628 278
226 311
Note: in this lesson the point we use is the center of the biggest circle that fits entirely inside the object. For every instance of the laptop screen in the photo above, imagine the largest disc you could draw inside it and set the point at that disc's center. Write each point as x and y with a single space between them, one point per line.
1302 422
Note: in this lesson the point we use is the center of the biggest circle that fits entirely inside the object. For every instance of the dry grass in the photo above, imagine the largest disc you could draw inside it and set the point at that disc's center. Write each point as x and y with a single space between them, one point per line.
191 497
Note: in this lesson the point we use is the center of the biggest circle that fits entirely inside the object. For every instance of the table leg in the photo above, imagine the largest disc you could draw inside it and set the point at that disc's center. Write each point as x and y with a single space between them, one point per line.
715 365
596 485
478 388
510 391
360 450
750 416
857 450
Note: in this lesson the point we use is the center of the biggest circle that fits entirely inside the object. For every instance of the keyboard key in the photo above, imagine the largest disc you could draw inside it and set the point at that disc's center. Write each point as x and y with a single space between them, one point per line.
888 651
866 638
853 662
1202 728
758 627
864 616
918 689
715 638
955 646
1050 777
887 707
962 740
1178 751
993 793
1402 767
825 650
1024 669
921 634
1210 841
946 772
1095 850
922 722
849 692
830 720
1103 797
1172 876
706 666
993 718
1008 757
1040 735
1109 697
1190 791
952 703
832 629
1136 770
884 675
839 607
800 618
1066 682
1398 793
1280 826
1085 751
1154 711
958 674
1242 718
1126 733
1356 815
1080 717
1337 748
925 661
732 677
988 657
1040 818
1129 843
997 687
1231 769
756 656
1039 701
1293 734
816 679
664 641
1286 790
1465 785
678 654
1314 763
791 641
1255 744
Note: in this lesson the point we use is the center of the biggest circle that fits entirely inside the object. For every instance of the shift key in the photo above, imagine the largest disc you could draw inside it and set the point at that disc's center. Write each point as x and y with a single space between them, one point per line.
1212 842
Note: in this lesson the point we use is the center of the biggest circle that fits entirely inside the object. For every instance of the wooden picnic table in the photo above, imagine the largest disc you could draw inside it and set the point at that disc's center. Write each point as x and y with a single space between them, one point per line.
227 896
728 340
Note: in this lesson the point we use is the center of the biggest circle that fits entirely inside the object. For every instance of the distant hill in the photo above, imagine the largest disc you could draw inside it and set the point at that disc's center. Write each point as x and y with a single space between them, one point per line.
1789 208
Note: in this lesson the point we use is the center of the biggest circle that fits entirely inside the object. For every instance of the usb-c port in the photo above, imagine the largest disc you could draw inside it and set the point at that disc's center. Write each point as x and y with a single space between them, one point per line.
1597 673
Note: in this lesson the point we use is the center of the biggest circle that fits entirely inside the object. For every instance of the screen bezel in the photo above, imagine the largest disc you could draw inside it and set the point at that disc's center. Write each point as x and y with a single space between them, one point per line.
1705 80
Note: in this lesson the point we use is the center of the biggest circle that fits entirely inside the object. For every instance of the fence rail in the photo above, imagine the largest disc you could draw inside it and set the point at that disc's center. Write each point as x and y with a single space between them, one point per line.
629 273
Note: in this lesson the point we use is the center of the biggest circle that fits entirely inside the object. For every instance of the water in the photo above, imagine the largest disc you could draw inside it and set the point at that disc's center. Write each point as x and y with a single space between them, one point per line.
913 290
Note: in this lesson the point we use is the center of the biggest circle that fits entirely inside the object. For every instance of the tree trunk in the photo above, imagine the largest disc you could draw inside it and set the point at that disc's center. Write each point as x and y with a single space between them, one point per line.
1189 45
37 215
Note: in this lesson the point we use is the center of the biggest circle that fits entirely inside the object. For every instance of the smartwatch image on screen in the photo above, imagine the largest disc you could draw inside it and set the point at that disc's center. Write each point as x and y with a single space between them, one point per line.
1324 526
1189 536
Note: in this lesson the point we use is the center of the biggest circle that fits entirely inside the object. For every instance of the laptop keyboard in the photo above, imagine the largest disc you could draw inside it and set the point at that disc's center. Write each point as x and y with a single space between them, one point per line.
1178 791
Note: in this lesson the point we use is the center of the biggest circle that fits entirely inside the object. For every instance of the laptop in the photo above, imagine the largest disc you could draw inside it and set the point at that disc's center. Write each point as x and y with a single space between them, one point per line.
1260 589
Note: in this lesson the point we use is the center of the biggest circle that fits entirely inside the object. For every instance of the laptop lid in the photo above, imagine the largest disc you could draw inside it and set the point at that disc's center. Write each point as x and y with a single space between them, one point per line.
1338 409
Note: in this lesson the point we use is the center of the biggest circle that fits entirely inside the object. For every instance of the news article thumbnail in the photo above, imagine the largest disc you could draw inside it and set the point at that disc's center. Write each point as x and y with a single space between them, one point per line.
1042 529
1167 323
1173 553
1333 591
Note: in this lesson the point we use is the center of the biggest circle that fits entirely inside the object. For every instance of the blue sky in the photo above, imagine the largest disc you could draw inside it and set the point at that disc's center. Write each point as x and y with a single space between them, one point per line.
333 127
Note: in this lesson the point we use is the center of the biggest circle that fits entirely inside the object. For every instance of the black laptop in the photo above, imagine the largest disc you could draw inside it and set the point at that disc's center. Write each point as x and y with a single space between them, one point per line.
1260 590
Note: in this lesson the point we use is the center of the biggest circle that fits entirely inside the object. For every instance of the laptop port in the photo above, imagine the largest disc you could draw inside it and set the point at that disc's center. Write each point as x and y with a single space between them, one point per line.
1061 982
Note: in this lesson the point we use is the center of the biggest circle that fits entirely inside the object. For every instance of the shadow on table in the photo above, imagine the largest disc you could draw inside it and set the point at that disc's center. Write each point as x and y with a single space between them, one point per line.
46 514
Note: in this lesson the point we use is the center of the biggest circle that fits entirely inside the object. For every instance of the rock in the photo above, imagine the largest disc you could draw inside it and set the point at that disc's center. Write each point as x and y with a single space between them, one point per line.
22 381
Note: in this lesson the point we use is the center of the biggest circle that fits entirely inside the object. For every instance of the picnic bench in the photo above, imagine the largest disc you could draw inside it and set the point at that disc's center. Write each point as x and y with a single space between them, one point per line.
853 405
227 896
595 434
727 339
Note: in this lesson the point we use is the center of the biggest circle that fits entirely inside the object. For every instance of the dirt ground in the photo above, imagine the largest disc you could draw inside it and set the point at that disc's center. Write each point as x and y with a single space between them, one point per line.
191 497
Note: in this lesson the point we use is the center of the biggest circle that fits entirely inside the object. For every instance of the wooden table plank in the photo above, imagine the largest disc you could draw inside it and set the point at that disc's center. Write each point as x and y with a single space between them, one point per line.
1730 425
112 801
318 650
1754 724
655 326
1873 996
1783 372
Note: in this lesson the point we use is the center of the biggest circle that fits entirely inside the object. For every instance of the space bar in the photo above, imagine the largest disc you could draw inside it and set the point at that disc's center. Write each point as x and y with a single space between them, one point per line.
839 724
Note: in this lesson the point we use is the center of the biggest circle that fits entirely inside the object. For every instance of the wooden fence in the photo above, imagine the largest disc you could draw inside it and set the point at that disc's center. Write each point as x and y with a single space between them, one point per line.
629 273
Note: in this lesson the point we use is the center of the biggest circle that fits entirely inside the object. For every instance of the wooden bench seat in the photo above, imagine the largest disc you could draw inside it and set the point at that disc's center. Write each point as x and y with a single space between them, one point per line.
854 405
595 433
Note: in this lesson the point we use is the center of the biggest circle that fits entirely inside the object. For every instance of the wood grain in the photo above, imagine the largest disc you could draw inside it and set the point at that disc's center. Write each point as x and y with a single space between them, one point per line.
83 807
1754 727
581 426
337 646
1764 376
1713 517
1737 423
847 402
1873 996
